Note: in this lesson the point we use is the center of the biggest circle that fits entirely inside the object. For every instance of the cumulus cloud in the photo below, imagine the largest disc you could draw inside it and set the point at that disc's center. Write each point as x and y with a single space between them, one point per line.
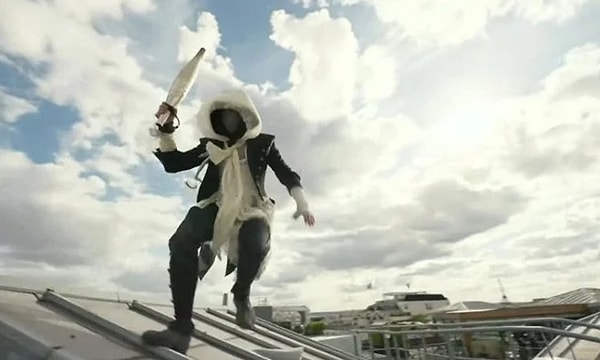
376 73
558 129
318 65
111 8
434 23
444 213
343 73
53 214
450 212
207 35
578 76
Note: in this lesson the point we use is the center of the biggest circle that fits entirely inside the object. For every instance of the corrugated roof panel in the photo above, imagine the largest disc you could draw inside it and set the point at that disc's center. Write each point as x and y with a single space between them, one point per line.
226 346
216 332
562 346
121 315
321 351
579 296
60 330
74 327
330 351
272 341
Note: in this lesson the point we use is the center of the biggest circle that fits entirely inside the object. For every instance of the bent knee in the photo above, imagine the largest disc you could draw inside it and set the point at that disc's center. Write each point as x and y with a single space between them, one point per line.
181 243
254 236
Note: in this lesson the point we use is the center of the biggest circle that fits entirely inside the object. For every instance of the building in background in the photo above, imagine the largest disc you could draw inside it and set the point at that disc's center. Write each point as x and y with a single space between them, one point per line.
414 303
288 316
346 319
574 305
394 308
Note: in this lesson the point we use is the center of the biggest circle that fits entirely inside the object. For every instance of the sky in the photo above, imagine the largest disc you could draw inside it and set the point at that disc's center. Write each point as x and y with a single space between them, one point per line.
443 146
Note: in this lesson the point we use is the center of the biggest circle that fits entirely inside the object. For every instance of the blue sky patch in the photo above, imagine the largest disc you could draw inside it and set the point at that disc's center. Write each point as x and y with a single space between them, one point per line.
39 134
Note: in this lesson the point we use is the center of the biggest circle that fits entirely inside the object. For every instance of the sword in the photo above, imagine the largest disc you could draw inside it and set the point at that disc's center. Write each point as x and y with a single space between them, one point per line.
179 89
177 92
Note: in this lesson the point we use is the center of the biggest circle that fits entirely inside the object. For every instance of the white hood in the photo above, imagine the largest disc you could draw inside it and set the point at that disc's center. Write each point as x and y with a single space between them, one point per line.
236 100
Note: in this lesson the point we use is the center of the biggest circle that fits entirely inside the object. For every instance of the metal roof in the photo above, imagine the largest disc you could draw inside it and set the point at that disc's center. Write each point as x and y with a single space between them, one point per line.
579 296
49 325
466 305
562 347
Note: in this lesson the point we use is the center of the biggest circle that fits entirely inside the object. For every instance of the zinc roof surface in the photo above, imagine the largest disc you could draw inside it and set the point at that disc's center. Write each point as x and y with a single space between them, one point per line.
35 324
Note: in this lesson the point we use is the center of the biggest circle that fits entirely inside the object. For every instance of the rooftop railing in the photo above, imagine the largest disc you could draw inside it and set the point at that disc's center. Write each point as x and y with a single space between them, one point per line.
518 339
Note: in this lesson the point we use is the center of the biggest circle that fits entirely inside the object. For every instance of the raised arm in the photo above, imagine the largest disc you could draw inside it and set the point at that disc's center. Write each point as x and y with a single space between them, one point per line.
171 158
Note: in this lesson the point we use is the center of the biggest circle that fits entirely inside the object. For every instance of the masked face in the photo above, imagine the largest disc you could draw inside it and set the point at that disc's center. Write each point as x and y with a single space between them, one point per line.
232 121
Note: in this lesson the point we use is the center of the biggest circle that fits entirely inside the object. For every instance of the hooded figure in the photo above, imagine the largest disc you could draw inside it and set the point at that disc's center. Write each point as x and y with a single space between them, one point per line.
233 213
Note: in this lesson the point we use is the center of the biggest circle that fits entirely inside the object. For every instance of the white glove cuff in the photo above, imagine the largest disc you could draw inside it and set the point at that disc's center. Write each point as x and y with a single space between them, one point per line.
297 194
166 142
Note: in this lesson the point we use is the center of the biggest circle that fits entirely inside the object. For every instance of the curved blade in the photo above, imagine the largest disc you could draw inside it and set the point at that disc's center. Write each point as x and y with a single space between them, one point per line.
184 80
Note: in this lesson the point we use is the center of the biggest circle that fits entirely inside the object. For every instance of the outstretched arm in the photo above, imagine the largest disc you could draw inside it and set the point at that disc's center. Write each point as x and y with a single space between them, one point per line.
291 180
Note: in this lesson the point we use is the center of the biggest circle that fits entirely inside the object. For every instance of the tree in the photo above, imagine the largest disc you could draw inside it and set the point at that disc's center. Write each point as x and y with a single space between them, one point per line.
314 329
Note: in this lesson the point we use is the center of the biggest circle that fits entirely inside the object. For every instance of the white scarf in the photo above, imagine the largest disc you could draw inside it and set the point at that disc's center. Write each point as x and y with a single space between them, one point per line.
230 202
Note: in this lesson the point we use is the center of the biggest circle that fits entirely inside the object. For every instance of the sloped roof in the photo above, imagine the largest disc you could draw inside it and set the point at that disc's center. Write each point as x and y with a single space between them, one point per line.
562 347
578 296
467 306
37 323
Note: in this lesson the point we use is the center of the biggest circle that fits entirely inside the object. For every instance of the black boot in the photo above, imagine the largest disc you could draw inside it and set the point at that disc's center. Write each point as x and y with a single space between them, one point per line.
169 338
183 276
178 334
183 272
244 315
253 246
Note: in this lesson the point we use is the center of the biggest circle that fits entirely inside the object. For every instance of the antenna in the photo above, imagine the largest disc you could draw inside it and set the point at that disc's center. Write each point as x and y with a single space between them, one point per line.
503 293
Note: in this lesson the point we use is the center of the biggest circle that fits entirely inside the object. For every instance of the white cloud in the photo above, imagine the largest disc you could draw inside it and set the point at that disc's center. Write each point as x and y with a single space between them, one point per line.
12 107
343 73
72 225
579 75
318 64
207 35
376 73
111 8
214 68
537 145
437 23
540 10
310 3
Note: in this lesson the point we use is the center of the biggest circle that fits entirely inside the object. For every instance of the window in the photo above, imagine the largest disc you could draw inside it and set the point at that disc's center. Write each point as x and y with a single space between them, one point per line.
428 307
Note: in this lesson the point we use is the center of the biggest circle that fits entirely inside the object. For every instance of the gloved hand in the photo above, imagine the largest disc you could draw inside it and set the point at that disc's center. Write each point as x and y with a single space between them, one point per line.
302 208
167 110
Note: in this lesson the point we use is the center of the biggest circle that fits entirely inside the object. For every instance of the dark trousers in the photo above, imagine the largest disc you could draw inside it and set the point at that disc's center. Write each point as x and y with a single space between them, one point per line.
195 229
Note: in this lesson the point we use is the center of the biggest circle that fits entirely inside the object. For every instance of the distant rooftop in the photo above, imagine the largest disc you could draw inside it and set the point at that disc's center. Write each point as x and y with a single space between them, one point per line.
468 305
579 296
414 296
